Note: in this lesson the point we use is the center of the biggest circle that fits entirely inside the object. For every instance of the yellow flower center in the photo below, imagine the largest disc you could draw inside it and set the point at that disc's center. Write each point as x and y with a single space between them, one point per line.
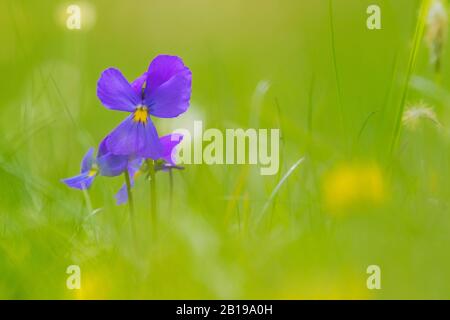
141 114
93 171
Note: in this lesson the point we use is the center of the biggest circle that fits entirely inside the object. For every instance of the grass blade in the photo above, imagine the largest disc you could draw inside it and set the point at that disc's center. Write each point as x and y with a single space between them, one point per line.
279 185
411 64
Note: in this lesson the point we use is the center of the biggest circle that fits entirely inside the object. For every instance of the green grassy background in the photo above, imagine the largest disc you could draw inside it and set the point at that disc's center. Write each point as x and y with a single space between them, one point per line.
334 91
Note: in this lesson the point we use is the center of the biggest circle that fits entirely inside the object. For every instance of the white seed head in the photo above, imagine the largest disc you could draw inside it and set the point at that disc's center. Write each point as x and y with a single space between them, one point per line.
417 112
437 28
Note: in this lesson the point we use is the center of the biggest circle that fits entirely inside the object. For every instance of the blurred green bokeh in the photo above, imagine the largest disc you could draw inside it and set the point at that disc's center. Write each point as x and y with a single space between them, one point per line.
335 91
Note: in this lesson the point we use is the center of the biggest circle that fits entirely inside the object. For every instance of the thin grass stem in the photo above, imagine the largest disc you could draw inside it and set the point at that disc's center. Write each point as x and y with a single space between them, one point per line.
336 73
418 34
279 185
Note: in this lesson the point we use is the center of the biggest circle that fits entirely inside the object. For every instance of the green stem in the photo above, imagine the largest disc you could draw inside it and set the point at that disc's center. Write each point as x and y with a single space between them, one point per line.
170 190
87 198
90 210
153 204
130 199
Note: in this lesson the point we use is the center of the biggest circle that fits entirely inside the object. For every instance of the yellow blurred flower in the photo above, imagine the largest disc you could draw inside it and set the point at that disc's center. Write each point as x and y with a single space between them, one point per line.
93 287
349 185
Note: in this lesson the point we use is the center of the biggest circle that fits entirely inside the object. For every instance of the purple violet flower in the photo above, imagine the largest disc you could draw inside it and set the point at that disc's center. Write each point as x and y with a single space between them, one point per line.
88 171
166 95
168 143
110 165
106 164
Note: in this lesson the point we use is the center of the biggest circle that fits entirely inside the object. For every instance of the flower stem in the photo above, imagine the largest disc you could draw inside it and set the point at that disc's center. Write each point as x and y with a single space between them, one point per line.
87 198
90 210
130 195
130 200
153 204
170 191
